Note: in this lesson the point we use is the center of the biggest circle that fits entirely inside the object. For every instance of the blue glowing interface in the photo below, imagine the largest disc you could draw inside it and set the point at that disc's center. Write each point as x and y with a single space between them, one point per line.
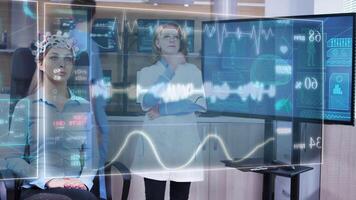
66 24
338 63
105 34
146 28
275 67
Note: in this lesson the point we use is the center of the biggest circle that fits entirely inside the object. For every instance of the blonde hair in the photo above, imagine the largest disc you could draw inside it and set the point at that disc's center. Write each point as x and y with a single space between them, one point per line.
183 48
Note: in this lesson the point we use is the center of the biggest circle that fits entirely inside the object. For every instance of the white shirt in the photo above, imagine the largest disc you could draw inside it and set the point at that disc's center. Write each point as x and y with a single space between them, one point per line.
175 139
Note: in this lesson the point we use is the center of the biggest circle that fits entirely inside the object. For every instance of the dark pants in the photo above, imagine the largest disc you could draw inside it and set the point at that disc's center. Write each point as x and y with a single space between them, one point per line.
155 190
56 194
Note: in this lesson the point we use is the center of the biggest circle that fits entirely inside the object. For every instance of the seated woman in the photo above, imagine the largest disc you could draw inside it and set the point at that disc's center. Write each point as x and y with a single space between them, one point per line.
62 141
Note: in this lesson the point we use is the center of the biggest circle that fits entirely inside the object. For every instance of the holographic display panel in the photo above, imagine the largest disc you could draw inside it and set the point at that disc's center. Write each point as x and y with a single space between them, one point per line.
338 63
277 67
105 34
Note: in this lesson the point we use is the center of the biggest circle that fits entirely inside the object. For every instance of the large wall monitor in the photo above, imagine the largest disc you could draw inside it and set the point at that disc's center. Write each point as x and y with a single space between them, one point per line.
299 68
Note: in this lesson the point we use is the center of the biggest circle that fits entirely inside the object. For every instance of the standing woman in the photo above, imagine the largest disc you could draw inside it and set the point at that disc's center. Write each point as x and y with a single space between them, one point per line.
60 135
167 151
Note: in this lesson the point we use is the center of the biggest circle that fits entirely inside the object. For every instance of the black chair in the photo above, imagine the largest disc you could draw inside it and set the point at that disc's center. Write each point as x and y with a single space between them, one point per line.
22 70
23 67
13 186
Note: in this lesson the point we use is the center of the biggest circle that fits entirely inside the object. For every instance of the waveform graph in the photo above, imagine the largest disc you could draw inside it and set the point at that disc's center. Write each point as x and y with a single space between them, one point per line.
244 140
159 153
233 95
227 35
216 92
252 91
258 57
170 93
255 91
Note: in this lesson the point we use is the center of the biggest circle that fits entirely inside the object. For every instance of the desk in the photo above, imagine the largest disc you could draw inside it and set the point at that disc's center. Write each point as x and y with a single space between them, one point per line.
269 172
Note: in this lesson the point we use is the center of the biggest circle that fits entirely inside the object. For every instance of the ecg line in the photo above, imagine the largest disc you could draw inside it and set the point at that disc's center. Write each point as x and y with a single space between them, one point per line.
191 159
254 34
176 92
134 25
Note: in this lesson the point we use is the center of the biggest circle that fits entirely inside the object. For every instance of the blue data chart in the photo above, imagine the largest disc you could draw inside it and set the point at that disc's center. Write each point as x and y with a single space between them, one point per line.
66 25
105 34
254 60
339 60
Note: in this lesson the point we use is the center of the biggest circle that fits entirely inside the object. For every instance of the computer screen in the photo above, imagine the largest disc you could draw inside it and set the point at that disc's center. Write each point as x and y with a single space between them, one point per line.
105 34
66 25
339 67
280 68
146 29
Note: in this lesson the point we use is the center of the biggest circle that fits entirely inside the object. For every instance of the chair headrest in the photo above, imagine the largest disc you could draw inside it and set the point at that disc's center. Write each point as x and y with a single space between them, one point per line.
23 64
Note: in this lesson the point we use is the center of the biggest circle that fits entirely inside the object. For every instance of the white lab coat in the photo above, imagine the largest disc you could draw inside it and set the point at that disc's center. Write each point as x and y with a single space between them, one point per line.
175 138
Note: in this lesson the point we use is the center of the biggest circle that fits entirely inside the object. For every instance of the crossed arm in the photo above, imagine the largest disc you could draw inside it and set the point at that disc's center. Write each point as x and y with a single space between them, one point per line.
157 107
